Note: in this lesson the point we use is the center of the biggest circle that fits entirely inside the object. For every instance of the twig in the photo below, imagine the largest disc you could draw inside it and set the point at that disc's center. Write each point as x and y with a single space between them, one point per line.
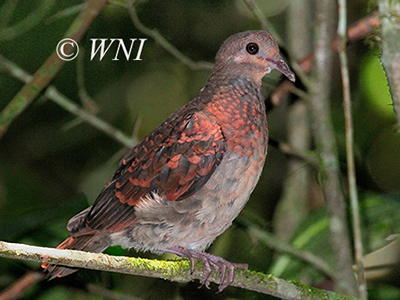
252 6
355 211
87 102
171 270
18 288
325 140
7 10
53 94
272 242
67 12
49 69
26 24
98 123
284 89
201 65
263 21
288 150
356 31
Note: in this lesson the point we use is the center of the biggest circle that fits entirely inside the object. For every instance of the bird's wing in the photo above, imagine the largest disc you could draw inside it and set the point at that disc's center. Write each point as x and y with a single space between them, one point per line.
175 161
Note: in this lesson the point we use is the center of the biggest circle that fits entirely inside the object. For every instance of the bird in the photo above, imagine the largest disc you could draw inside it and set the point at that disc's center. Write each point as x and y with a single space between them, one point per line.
184 184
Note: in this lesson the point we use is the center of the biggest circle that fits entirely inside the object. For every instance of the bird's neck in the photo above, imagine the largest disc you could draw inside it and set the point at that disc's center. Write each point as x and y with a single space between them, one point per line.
236 84
219 78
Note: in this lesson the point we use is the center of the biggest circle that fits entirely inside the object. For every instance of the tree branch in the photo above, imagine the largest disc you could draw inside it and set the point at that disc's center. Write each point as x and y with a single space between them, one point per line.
302 67
56 96
16 290
272 242
8 33
326 145
351 172
201 65
265 24
178 271
49 69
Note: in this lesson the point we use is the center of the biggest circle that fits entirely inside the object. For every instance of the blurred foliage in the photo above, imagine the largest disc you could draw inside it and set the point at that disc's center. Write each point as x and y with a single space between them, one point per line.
51 166
380 221
374 84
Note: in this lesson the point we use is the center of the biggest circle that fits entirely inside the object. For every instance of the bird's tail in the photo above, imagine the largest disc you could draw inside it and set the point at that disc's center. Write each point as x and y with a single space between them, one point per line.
89 243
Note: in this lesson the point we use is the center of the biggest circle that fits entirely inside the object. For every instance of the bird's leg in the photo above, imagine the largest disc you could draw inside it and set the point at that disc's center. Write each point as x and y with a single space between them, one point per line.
221 265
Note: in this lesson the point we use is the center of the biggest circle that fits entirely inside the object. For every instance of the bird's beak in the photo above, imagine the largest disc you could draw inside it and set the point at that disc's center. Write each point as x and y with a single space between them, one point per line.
280 65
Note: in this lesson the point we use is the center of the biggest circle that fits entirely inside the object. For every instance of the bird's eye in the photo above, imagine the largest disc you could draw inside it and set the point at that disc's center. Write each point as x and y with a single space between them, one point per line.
252 48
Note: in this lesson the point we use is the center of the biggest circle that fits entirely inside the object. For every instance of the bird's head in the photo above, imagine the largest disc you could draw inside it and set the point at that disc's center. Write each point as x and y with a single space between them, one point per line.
252 53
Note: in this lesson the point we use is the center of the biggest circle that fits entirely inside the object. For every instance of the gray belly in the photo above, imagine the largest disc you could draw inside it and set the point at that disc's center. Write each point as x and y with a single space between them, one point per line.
194 223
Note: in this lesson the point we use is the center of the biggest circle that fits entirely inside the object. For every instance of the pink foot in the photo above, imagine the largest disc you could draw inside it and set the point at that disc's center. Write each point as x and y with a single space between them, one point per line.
221 265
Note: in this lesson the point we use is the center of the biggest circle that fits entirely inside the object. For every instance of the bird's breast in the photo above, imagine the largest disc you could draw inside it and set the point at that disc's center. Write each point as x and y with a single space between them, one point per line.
241 115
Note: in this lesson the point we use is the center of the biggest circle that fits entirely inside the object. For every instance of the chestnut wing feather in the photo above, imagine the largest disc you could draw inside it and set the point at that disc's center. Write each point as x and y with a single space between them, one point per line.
175 161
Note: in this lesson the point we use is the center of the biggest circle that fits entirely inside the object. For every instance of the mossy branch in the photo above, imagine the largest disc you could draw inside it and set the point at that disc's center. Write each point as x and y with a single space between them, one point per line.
171 270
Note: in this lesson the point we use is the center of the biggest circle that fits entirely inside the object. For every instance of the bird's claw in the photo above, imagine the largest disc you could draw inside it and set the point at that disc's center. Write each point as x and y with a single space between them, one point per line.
220 265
